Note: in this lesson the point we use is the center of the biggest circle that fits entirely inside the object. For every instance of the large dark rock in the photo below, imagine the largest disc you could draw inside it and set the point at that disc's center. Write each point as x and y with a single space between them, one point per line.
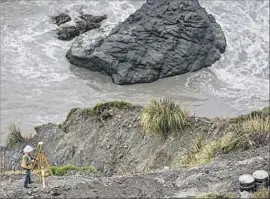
60 19
161 39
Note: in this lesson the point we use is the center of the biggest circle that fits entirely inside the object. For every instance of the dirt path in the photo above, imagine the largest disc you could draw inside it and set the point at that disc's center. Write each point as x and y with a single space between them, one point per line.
219 176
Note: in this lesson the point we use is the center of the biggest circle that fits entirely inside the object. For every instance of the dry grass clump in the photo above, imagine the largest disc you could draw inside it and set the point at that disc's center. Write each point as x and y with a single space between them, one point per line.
217 195
164 116
203 153
230 135
263 193
63 170
14 135
101 107
256 124
259 113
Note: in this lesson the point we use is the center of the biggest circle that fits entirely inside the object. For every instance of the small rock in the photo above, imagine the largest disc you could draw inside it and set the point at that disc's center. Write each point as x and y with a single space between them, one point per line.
245 194
67 33
206 171
60 19
55 192
10 180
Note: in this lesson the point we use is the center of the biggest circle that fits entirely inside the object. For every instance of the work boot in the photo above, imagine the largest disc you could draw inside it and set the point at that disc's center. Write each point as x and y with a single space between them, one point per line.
31 182
25 186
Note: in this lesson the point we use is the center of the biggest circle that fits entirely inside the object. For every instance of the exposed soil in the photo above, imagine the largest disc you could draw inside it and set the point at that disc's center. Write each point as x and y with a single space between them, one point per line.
130 163
219 176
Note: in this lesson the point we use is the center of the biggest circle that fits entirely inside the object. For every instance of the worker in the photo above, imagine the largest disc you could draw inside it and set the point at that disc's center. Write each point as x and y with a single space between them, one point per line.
26 164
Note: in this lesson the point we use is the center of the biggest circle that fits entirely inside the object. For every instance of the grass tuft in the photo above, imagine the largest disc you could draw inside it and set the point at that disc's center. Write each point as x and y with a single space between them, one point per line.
263 193
163 117
204 153
14 136
256 124
265 112
101 107
217 195
62 170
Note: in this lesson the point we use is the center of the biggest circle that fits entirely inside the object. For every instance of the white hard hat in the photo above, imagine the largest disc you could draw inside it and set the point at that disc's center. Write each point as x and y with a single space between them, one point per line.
28 149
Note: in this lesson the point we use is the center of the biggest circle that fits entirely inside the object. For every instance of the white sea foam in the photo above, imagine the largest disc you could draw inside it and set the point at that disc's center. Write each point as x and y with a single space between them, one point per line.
243 69
39 85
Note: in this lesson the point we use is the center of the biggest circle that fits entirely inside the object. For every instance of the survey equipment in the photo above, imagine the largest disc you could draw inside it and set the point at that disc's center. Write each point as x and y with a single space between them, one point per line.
41 163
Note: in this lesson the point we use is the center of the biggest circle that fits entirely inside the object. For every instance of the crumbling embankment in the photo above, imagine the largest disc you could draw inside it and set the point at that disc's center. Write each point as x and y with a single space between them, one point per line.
111 138
219 176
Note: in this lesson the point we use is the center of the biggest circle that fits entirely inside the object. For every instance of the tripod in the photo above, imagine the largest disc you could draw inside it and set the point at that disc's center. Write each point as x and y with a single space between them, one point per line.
41 163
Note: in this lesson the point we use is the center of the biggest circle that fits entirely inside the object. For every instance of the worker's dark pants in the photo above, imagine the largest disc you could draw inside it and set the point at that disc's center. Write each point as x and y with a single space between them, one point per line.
27 179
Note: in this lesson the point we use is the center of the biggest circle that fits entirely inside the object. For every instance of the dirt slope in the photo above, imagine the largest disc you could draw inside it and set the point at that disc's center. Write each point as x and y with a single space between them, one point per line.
113 142
219 176
130 163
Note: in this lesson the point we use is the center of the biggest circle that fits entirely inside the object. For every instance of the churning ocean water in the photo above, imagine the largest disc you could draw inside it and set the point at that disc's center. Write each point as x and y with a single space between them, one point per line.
38 84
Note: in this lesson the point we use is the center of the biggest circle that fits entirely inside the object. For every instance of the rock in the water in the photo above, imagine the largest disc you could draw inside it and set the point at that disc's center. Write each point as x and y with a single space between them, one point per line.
93 19
85 23
85 26
89 22
67 33
60 19
163 38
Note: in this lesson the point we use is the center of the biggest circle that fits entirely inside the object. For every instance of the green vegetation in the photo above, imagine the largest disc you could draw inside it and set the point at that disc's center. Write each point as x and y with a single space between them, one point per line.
69 115
163 117
261 113
101 107
62 170
217 195
263 193
71 112
256 124
239 134
97 110
203 153
266 110
186 158
14 136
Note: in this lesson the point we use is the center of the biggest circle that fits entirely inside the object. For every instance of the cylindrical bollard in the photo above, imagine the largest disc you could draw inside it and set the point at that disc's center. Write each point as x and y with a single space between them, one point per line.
247 183
261 179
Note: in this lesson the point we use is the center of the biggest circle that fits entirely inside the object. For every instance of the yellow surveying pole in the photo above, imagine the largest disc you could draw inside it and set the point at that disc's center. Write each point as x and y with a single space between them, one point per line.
41 163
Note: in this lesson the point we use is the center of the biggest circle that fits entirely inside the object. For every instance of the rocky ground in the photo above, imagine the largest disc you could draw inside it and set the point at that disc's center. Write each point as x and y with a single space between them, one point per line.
110 142
219 176
131 163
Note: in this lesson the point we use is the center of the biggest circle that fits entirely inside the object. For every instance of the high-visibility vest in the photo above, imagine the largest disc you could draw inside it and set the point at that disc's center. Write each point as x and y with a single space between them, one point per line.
23 164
